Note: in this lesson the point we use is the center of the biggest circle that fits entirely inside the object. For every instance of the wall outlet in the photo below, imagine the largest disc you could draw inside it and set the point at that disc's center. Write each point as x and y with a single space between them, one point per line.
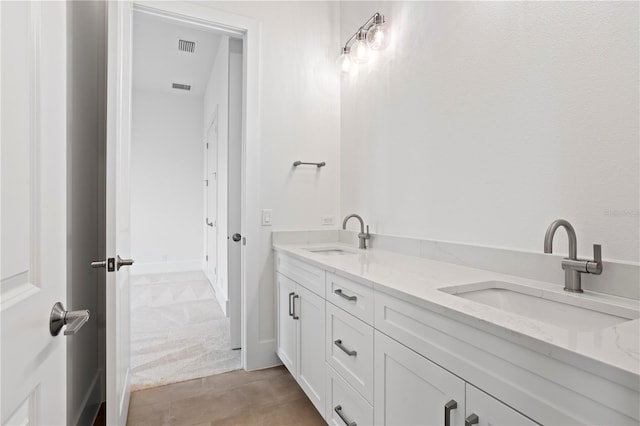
266 217
328 220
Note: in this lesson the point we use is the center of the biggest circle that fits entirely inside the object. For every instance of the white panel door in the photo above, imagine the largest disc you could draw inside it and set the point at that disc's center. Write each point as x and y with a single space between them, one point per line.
234 193
120 19
212 201
411 390
287 325
33 211
309 309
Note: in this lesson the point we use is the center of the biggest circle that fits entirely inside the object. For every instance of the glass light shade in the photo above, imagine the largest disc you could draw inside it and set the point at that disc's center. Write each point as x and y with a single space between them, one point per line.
360 51
344 62
378 36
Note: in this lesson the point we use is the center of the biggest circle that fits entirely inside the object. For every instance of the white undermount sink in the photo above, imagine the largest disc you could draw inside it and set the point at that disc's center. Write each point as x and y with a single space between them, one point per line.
568 311
331 251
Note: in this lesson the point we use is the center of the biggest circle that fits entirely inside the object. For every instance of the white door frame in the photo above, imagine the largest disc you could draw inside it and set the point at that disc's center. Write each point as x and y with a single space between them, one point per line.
249 30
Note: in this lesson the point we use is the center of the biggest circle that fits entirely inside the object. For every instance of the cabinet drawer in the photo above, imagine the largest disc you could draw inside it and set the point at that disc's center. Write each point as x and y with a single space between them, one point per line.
353 297
304 274
344 404
349 349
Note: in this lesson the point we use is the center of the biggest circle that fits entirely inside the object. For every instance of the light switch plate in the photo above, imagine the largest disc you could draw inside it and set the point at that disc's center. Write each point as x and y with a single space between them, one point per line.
266 217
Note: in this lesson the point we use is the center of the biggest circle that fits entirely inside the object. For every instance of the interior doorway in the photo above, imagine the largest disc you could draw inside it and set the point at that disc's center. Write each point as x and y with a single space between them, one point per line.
183 130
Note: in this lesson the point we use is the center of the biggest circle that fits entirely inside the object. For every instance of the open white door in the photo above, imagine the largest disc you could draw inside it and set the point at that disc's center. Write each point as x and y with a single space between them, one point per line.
119 39
33 210
211 152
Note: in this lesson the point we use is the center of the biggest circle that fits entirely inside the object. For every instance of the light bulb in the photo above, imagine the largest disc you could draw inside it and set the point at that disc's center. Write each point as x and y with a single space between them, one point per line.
344 62
359 49
377 36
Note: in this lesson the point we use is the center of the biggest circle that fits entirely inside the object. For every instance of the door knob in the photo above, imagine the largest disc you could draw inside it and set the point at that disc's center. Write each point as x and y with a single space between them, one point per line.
236 237
123 262
74 320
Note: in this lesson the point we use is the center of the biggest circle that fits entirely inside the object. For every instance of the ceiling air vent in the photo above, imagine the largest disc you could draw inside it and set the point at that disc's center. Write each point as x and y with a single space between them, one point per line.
181 86
186 46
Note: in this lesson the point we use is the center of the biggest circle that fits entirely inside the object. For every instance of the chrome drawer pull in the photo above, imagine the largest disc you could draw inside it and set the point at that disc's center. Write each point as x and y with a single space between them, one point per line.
345 419
344 296
471 420
293 305
338 343
451 405
290 304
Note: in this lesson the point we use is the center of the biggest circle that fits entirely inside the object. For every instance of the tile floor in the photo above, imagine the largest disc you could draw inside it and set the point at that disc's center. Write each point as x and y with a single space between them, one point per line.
178 331
265 397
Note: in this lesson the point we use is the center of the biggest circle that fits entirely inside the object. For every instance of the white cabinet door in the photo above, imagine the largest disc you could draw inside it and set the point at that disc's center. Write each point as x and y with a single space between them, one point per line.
485 410
309 308
287 326
411 390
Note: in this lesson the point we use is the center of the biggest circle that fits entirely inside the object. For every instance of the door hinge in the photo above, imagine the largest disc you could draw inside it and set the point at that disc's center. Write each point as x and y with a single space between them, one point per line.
206 182
207 145
206 257
215 271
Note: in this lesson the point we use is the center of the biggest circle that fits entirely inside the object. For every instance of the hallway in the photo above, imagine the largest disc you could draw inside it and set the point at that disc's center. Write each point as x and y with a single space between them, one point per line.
178 331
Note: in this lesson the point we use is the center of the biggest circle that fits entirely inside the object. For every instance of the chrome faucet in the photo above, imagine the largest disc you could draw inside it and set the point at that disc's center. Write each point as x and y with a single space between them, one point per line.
573 266
362 236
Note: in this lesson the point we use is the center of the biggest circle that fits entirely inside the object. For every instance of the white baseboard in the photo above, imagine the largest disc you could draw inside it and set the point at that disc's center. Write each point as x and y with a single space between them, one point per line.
90 404
263 355
222 299
166 267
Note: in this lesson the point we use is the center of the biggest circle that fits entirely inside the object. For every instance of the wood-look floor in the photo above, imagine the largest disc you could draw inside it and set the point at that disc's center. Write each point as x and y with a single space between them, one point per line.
264 397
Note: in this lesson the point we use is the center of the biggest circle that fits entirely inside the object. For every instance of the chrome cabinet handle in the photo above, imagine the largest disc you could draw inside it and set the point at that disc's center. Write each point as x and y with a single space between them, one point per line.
471 420
339 344
293 305
123 262
74 320
344 296
451 405
290 304
345 419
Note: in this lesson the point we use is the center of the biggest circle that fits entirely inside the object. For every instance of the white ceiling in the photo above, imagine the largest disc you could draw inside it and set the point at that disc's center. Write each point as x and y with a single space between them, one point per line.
157 63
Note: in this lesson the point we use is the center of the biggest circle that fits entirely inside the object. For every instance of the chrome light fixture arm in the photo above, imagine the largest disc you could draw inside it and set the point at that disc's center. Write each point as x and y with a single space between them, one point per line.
364 27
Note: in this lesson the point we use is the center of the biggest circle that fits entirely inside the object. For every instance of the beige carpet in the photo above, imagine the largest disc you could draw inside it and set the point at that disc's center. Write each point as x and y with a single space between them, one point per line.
178 331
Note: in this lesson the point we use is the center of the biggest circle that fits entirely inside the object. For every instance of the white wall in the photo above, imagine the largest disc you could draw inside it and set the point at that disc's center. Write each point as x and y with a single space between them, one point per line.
166 182
485 121
300 116
216 96
86 85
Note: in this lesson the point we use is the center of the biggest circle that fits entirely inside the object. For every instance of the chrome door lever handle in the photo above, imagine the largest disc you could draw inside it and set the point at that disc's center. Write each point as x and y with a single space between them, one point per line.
74 320
123 262
99 264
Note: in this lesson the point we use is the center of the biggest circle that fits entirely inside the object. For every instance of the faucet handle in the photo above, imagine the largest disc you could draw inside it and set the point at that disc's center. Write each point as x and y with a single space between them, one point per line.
595 267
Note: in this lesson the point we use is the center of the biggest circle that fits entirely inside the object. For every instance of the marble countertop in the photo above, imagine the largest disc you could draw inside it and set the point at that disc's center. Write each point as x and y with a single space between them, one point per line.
611 352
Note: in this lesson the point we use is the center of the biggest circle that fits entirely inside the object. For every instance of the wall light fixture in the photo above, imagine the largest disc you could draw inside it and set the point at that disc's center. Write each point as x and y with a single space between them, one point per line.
372 35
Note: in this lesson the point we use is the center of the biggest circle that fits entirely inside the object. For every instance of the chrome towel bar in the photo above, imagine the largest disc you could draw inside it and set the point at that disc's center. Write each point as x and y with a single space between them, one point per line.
298 163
